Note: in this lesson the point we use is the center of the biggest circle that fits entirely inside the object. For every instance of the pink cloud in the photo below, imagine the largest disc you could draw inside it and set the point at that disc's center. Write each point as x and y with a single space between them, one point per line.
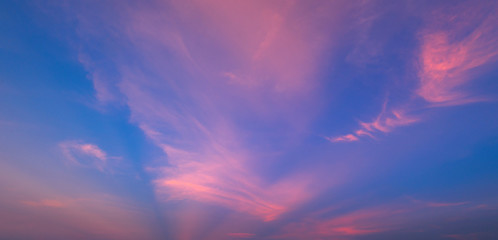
364 221
227 63
448 62
221 178
86 154
345 138
93 150
265 47
208 160
384 122
455 47
358 223
208 164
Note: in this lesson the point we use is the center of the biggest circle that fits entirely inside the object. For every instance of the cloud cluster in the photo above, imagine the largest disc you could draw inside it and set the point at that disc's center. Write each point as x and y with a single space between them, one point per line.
454 47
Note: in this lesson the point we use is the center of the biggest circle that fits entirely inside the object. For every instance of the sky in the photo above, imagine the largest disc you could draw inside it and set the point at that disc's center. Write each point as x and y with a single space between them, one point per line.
220 119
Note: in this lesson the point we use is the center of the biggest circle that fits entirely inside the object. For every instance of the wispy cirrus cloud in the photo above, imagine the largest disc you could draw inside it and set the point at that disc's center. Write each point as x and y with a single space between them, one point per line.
456 45
385 122
228 91
451 51
193 104
87 155
220 177
345 138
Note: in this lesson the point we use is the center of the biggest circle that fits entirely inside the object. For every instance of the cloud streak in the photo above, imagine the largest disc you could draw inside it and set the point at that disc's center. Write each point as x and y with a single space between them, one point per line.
385 122
86 155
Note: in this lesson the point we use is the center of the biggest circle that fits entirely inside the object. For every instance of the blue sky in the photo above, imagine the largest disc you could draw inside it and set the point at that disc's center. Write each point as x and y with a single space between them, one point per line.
248 120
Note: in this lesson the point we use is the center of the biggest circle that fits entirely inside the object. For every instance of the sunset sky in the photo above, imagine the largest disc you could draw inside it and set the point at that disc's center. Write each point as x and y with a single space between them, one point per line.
248 119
